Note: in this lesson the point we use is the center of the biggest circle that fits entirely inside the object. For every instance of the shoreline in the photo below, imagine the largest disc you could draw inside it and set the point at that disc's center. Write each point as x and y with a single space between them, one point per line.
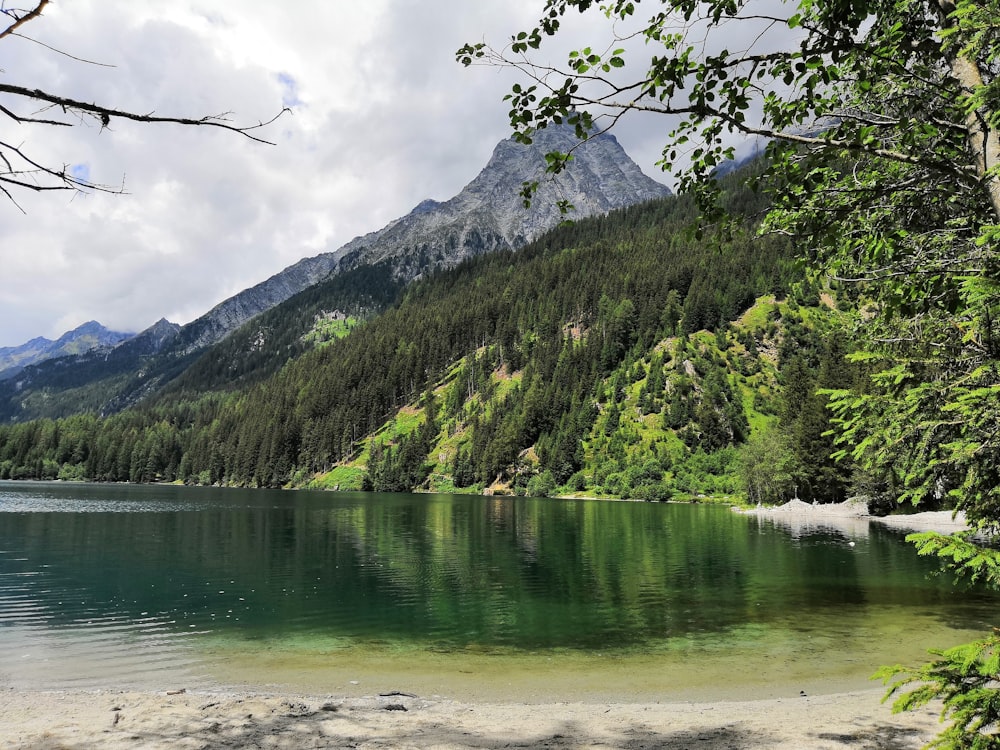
944 521
46 720
529 712
856 511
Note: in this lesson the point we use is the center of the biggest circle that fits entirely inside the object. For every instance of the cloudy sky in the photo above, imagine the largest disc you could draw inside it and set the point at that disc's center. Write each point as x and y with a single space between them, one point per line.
382 118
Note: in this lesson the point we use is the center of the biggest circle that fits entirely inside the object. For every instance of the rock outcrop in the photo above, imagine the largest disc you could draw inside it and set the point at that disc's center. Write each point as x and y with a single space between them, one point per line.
487 215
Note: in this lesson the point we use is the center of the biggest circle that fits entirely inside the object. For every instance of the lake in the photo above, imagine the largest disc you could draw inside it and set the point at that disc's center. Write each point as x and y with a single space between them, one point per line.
458 596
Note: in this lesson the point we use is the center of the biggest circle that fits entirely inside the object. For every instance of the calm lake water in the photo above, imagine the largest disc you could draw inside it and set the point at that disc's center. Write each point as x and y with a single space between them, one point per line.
465 597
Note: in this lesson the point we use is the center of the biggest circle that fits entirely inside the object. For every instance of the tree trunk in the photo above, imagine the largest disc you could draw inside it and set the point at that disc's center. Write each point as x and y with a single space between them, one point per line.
984 142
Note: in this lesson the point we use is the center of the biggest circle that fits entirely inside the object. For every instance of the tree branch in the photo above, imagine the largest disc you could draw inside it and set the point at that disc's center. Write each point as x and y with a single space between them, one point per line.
13 176
61 52
30 15
18 170
104 114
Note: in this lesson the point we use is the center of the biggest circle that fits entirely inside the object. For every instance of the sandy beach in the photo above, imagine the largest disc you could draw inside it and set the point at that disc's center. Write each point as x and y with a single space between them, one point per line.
73 720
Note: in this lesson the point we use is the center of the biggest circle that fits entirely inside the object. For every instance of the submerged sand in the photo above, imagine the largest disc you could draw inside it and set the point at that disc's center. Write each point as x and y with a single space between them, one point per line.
78 719
67 720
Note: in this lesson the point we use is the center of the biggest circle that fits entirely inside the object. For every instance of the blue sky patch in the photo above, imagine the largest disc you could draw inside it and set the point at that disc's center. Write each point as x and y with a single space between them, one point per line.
289 90
80 172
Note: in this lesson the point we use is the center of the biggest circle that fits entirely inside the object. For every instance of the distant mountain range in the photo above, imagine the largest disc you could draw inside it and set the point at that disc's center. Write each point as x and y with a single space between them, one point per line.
107 373
84 338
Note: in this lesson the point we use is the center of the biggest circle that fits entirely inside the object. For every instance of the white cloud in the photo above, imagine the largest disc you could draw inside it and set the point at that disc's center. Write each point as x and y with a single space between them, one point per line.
383 118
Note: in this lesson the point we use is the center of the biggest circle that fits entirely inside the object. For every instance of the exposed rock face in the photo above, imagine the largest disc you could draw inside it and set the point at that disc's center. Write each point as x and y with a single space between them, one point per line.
487 215
87 337
152 340
229 315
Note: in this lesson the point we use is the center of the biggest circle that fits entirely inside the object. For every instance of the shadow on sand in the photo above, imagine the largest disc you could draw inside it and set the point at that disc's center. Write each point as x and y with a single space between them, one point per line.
410 723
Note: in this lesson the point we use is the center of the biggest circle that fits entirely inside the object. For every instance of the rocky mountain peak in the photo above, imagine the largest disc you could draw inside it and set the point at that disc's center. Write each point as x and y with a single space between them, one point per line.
153 339
487 215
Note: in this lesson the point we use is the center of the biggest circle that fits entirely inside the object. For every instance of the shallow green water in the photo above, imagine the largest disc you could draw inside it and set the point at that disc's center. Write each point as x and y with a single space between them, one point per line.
455 595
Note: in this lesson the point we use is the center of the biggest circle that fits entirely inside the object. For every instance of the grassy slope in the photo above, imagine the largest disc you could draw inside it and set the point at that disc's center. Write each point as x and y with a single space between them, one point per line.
752 376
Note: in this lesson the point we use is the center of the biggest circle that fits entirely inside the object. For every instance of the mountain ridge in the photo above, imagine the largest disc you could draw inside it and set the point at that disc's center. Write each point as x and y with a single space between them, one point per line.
485 216
619 356
85 337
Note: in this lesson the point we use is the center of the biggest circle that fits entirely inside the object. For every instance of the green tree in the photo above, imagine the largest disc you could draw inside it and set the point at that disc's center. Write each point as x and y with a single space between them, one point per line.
884 120
542 485
765 465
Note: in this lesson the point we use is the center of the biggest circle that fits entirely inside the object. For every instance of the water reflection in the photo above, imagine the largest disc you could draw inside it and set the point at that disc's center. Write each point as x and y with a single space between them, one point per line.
801 526
443 573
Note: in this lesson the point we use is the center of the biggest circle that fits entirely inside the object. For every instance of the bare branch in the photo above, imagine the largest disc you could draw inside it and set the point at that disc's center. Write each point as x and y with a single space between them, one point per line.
10 197
67 180
30 15
34 120
106 113
61 52
18 170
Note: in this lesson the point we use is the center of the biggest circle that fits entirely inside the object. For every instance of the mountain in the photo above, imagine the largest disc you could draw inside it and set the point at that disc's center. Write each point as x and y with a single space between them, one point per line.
489 214
89 336
618 356
744 154
486 216
74 383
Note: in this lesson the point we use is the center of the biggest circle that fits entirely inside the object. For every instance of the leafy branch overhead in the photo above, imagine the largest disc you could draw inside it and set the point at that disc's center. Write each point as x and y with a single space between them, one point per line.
25 106
882 123
811 78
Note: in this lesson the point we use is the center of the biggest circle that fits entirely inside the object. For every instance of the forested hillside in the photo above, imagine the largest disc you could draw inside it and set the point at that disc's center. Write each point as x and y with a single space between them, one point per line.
355 281
107 381
619 355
